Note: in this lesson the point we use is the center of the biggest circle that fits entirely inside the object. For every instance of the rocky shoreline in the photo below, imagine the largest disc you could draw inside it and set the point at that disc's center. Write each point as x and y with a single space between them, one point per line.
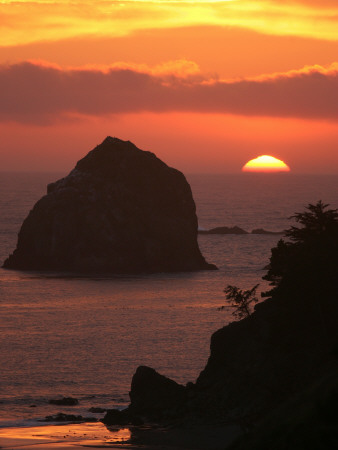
252 384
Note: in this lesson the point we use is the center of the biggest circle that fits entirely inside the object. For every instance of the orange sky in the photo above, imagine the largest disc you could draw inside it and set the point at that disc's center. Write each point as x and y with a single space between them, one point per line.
206 85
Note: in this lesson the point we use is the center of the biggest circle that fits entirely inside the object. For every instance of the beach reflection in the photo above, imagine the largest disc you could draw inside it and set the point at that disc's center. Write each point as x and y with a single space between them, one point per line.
62 436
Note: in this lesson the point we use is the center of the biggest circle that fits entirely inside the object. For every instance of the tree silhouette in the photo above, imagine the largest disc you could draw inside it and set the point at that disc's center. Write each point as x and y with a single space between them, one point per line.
316 223
240 300
307 262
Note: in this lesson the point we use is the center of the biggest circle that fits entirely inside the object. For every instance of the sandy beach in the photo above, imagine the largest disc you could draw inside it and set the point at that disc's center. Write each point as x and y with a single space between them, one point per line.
96 435
63 437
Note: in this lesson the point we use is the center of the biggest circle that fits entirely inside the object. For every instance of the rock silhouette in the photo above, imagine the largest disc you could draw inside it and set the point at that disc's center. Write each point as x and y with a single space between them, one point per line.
120 210
152 391
65 401
224 230
237 230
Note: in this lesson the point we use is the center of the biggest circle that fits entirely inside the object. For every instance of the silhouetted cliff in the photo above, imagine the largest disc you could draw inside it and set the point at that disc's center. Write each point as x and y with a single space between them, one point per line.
274 373
254 365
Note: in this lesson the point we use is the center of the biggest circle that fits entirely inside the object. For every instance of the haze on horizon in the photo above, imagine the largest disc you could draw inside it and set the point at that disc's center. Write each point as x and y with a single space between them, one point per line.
207 86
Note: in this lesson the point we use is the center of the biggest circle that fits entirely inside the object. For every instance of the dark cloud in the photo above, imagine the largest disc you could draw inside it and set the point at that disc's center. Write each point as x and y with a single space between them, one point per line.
35 93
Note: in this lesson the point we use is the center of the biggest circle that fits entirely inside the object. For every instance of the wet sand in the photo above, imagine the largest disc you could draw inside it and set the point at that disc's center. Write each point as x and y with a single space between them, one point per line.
64 437
96 435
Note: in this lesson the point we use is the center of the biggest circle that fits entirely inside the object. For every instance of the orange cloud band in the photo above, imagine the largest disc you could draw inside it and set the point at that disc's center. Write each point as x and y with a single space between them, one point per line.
40 93
23 22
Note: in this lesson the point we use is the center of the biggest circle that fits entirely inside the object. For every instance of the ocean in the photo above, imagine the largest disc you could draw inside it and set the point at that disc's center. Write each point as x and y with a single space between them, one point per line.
85 337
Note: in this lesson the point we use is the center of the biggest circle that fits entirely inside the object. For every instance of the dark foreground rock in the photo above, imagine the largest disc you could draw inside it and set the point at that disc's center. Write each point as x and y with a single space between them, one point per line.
194 437
121 210
153 397
307 421
267 365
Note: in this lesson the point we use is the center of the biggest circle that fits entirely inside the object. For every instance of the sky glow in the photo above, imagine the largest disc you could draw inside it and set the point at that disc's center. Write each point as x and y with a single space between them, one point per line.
81 70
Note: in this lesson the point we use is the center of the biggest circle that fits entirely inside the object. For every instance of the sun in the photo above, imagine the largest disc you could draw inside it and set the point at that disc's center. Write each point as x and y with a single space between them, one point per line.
265 163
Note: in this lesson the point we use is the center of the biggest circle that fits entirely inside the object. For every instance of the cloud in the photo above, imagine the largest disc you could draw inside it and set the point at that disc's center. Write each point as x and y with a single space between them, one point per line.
180 68
320 4
24 22
33 92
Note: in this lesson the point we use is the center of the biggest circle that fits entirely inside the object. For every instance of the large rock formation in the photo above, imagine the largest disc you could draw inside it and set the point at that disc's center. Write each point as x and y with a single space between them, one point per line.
121 210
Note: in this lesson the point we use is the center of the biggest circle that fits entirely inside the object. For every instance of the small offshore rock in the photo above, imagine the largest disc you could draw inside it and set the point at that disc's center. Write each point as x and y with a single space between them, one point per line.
97 410
65 401
61 417
224 230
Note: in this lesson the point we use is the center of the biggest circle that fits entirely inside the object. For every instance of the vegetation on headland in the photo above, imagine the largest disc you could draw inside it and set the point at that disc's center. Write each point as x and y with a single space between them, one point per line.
274 373
241 300
303 273
306 263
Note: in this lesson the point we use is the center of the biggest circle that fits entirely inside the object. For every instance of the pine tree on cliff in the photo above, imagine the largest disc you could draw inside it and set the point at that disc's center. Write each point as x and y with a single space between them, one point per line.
307 262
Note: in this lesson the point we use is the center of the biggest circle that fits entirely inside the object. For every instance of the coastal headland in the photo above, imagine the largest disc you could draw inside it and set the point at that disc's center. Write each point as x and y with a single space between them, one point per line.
273 374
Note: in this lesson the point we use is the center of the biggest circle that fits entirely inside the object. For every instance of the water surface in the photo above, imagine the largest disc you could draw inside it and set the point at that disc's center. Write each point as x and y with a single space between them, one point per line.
84 337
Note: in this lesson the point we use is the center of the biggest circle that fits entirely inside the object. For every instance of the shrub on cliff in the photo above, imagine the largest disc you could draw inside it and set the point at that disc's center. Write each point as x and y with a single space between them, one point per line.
240 300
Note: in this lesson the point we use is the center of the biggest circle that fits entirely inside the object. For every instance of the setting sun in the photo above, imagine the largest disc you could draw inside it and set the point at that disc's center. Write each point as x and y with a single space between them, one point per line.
265 163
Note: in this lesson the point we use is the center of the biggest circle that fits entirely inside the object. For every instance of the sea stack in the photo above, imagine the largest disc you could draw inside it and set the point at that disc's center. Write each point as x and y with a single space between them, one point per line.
120 210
